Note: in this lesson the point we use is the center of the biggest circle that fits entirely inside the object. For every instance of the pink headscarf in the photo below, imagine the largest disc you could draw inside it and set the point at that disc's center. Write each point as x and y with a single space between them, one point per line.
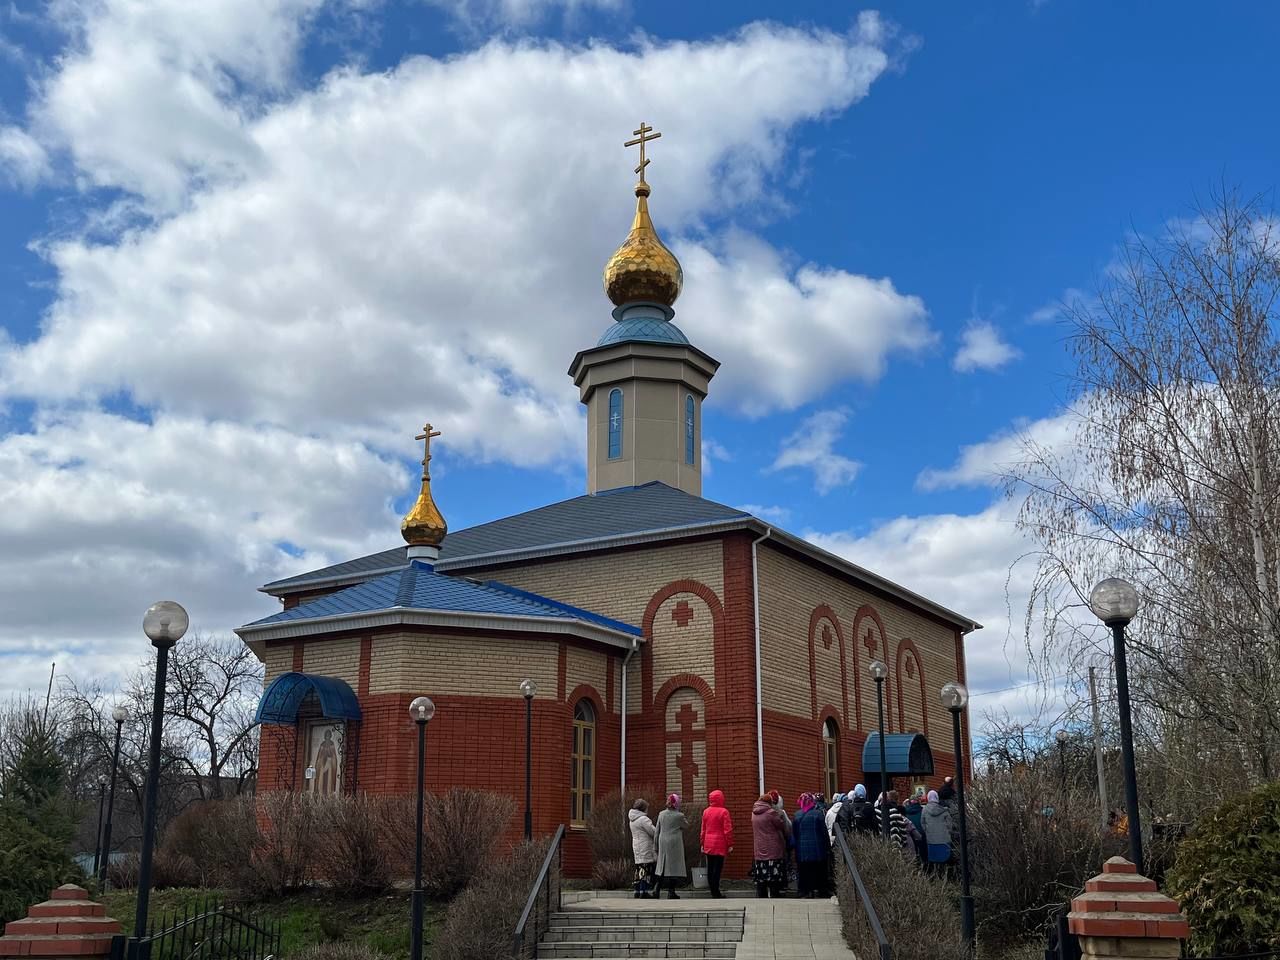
806 801
673 801
933 796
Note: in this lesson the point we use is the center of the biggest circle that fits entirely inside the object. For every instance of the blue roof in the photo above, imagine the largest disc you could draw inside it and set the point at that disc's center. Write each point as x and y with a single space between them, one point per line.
285 694
646 329
905 753
419 587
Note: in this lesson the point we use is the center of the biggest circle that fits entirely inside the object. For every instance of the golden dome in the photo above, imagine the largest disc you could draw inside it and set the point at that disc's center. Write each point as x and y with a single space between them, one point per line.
643 268
423 525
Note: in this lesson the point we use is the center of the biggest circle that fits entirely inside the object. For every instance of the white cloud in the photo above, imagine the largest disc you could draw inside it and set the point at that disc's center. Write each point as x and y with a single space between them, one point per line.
982 348
989 462
477 14
812 447
23 162
772 514
713 452
1072 299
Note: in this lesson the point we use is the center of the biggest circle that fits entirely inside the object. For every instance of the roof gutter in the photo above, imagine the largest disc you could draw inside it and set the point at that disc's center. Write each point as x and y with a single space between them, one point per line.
626 662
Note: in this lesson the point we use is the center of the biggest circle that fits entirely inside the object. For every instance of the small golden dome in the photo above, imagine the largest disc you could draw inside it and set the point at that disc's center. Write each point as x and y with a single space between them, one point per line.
424 525
643 268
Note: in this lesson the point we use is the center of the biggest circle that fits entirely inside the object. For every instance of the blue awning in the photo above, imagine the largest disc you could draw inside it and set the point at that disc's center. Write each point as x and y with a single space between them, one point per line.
905 754
284 695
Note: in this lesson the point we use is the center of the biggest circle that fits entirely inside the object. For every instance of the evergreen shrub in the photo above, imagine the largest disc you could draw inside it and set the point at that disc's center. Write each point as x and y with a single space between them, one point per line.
1227 876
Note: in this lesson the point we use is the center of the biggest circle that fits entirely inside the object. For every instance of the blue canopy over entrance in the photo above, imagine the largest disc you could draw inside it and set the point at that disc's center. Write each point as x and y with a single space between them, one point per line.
285 694
905 754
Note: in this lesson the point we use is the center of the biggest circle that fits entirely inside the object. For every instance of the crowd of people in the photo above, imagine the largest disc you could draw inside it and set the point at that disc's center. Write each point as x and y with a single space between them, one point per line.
787 848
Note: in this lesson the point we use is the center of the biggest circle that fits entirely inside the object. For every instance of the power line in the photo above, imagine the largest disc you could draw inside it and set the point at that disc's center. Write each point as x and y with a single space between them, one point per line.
1029 683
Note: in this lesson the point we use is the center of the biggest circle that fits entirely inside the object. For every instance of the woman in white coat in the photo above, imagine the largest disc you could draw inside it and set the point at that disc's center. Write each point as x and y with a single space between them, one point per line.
642 837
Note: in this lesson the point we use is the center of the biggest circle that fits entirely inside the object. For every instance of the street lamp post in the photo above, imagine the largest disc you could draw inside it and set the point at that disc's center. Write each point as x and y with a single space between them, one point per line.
421 710
878 673
955 697
1062 759
527 689
1115 603
102 799
119 714
164 624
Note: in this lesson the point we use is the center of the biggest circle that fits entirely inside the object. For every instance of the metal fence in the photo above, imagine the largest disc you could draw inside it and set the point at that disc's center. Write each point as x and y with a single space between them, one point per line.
548 883
868 908
1063 944
205 930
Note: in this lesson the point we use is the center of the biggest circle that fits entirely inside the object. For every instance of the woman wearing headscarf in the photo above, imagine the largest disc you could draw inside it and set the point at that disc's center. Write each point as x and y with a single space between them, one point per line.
670 843
789 868
864 816
769 831
813 847
937 831
642 834
717 839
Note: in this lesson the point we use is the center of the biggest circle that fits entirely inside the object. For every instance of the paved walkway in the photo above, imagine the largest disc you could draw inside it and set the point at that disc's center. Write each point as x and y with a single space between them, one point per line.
774 929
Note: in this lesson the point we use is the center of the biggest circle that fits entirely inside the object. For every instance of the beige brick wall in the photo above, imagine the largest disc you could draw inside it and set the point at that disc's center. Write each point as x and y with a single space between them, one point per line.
276 659
686 696
589 667
827 662
420 662
333 658
683 640
789 592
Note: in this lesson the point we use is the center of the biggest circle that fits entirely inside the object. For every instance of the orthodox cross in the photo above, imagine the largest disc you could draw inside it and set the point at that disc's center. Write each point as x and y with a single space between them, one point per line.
686 717
426 434
642 137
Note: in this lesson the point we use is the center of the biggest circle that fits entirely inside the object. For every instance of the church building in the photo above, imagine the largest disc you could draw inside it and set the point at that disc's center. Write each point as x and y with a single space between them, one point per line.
671 640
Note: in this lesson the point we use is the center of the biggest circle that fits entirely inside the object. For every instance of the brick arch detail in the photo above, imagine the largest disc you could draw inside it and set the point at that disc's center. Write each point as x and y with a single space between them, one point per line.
585 691
691 680
708 596
864 611
829 712
905 645
820 613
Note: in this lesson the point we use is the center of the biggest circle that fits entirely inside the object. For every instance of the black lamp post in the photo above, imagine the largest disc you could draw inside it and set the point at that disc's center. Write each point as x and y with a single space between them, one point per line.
421 711
102 798
119 714
1062 760
955 697
1115 603
164 624
878 673
527 689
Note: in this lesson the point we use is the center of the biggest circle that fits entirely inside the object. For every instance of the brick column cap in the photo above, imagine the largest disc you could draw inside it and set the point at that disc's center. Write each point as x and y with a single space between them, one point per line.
68 924
1120 902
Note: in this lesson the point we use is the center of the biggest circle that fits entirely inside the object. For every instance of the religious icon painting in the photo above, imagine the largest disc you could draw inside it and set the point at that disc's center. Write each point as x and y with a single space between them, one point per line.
325 739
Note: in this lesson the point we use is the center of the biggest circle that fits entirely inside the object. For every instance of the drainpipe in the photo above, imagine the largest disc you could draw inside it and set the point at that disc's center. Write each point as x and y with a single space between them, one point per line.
755 594
635 645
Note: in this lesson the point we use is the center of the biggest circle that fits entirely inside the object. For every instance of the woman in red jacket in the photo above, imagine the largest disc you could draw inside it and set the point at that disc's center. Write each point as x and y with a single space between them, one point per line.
717 839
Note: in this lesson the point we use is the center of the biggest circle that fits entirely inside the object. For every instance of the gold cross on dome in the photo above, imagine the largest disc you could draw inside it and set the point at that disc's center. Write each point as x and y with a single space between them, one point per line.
426 434
642 137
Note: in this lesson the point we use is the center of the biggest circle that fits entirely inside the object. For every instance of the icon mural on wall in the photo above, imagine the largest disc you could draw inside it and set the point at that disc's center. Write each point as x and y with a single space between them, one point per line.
324 757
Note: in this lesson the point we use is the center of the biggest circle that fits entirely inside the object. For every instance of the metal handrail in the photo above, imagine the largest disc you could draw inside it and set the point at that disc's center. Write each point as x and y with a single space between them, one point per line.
886 951
538 884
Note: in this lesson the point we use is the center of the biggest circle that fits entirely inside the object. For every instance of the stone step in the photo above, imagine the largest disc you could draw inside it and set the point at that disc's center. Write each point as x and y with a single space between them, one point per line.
649 918
639 948
631 932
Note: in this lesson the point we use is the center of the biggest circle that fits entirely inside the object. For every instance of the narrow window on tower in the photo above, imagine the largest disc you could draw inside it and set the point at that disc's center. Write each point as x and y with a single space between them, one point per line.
830 757
688 428
582 762
615 424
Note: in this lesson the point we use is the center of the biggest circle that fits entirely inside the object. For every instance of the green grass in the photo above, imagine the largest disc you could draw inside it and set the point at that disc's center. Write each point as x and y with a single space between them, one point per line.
380 923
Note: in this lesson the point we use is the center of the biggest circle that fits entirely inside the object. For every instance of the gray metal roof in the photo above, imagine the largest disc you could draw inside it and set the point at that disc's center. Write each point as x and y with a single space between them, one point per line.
611 513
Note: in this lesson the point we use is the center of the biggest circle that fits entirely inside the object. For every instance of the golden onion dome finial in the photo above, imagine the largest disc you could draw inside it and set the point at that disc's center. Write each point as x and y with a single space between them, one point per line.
424 525
643 269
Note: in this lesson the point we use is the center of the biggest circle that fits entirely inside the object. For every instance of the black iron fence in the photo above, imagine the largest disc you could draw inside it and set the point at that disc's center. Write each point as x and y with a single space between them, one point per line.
868 908
1063 944
537 915
205 930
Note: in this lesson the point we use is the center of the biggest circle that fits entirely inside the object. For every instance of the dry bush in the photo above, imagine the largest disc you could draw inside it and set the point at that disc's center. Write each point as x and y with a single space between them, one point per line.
339 951
461 831
360 847
693 836
919 913
608 830
168 869
1027 864
480 922
614 874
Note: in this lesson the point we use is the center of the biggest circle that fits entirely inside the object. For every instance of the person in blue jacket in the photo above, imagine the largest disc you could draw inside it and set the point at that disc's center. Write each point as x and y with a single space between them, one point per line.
813 848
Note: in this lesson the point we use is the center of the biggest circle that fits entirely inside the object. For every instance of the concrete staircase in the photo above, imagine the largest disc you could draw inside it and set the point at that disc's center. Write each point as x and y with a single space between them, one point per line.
694 934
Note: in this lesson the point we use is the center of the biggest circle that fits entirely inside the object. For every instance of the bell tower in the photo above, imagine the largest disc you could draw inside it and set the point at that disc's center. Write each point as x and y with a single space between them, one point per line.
643 382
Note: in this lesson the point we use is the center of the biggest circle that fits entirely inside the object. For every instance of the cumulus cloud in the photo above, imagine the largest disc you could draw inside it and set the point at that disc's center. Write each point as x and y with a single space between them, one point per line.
988 462
23 161
477 14
983 348
812 447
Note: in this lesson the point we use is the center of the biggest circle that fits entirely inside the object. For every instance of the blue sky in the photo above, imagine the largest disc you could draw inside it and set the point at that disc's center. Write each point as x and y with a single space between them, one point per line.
246 249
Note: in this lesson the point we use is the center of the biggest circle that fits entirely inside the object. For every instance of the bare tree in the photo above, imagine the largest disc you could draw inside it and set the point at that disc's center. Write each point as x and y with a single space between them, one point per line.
1174 483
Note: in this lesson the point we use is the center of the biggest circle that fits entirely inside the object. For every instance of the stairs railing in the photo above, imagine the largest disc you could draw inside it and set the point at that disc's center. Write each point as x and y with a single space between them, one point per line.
542 885
868 908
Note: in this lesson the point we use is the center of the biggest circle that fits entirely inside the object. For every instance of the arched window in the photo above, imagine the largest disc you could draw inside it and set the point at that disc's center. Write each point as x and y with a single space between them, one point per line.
688 428
615 423
582 763
830 758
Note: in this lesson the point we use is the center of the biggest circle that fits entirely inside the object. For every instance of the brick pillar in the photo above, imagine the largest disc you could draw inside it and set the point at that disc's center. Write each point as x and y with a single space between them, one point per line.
1121 914
67 925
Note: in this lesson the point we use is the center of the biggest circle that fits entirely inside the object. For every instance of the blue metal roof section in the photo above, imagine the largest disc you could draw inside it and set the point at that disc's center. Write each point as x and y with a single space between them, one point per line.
613 513
904 753
643 329
419 587
284 696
